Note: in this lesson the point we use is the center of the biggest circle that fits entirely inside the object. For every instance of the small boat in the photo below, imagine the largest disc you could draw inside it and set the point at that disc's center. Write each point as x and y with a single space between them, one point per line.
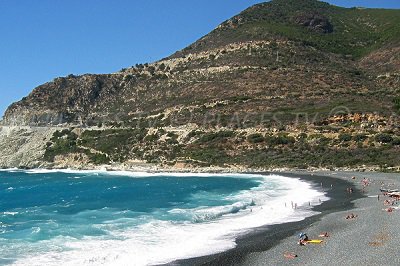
387 190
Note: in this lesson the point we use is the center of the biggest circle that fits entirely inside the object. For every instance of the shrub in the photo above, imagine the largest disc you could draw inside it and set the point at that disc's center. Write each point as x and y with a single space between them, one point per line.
172 135
396 102
217 136
255 138
323 141
99 158
384 138
345 137
240 98
360 137
162 67
172 141
281 139
396 141
128 77
209 155
302 136
151 138
193 133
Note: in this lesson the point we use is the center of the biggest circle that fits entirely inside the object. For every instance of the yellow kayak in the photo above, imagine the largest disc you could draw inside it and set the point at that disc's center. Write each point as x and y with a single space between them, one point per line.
314 241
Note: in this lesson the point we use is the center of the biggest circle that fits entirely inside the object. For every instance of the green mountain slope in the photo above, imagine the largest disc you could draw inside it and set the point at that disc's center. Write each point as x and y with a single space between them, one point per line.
354 31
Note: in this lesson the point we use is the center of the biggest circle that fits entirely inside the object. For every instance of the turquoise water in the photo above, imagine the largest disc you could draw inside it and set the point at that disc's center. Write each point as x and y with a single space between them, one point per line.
53 218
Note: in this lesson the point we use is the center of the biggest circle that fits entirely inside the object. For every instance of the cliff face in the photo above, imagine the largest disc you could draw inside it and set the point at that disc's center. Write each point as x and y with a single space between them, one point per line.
23 146
64 100
282 66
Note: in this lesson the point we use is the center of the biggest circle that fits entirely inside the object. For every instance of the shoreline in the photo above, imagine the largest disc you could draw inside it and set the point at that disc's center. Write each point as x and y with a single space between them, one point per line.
156 168
369 239
264 238
369 236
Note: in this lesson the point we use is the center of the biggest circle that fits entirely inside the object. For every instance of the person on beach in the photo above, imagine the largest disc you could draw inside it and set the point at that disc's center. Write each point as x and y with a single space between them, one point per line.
325 234
390 209
365 182
289 255
387 202
303 238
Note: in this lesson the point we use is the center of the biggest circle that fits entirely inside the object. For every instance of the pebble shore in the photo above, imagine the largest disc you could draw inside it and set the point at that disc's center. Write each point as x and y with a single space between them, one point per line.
371 238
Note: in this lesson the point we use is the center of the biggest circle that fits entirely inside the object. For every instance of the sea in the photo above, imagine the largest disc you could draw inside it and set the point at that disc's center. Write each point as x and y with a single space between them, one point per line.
50 217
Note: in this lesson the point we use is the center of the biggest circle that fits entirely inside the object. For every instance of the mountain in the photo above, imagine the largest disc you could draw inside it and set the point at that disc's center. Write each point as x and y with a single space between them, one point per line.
283 83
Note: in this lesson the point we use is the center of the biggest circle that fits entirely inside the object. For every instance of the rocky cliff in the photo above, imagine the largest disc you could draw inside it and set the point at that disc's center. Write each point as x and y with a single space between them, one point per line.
23 146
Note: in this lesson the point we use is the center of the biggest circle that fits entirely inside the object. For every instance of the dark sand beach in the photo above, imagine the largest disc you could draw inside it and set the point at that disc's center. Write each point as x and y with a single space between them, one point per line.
369 239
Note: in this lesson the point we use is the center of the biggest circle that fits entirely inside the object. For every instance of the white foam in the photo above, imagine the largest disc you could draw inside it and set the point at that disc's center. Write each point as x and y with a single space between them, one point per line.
9 169
68 171
10 213
159 242
133 174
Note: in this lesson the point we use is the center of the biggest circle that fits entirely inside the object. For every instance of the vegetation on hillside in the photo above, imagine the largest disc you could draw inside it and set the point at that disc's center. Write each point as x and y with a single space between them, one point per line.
347 31
334 145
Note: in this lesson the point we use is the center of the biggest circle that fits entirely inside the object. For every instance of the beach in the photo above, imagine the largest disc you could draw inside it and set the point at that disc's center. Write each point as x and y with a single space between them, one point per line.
371 238
368 236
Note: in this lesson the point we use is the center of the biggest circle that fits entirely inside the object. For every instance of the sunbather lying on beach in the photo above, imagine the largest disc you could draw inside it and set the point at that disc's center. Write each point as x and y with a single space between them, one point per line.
302 242
390 202
289 255
325 234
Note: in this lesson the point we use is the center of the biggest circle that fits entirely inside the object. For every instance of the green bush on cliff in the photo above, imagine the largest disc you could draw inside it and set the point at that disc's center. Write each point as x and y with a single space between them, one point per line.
396 102
209 155
383 138
216 137
281 139
345 137
151 138
98 158
114 144
396 141
360 137
62 142
255 138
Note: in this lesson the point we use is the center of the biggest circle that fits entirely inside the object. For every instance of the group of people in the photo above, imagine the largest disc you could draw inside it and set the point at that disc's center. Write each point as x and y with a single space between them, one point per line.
365 182
351 216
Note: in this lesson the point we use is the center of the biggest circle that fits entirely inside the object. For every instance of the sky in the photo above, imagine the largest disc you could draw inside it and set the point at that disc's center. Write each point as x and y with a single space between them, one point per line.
44 39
